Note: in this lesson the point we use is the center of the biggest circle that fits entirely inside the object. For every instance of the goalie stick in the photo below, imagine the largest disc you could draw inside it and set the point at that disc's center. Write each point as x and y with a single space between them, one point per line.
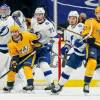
18 64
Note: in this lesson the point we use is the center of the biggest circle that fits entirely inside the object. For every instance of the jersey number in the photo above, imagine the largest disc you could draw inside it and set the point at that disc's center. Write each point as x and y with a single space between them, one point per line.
24 50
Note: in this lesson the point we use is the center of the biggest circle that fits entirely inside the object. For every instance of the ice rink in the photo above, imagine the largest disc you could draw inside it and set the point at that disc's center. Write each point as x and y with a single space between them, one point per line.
65 94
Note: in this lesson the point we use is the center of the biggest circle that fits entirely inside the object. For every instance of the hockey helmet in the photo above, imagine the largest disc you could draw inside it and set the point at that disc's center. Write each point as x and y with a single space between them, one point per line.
4 10
14 28
73 13
97 9
40 10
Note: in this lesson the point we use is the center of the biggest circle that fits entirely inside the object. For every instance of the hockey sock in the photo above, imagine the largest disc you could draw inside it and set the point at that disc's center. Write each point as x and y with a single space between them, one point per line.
65 75
90 68
63 79
87 79
10 84
28 75
47 71
11 76
30 82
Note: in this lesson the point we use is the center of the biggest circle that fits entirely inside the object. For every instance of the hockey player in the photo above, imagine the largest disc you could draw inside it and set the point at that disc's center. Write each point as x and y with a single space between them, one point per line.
78 49
92 30
20 46
45 29
5 22
19 19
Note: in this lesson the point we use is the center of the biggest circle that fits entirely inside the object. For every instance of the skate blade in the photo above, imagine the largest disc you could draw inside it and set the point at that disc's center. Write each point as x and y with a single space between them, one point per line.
86 94
6 91
28 91
55 93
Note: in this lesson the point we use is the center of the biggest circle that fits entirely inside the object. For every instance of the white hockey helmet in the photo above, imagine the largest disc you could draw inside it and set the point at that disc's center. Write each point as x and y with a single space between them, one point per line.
40 10
73 13
4 10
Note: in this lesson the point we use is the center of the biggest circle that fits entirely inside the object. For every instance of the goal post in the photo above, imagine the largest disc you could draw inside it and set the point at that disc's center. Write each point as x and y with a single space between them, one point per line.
59 38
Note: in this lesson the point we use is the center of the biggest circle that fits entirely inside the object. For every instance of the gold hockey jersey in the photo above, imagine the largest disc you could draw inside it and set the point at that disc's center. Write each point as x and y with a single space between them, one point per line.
92 28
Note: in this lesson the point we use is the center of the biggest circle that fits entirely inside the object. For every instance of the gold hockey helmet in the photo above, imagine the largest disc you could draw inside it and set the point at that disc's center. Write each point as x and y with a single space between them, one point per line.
97 9
14 28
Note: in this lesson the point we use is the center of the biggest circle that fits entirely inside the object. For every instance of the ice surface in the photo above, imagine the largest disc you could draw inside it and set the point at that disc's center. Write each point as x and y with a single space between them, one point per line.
66 94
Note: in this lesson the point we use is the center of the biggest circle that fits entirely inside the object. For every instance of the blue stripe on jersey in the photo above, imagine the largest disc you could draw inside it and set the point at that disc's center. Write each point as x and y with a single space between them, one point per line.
3 32
4 51
3 45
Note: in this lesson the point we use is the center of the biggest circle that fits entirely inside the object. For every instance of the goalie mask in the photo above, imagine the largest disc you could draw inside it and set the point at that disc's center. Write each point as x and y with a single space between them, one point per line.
4 11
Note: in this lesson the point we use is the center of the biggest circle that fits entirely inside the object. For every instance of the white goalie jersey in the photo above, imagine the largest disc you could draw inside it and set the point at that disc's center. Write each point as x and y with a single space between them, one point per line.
46 30
5 35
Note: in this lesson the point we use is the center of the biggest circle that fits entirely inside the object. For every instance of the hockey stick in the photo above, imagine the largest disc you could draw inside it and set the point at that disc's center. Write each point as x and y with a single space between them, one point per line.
87 36
19 63
64 60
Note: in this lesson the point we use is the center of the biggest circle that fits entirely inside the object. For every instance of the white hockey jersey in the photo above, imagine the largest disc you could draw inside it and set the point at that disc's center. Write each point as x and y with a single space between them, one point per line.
70 35
46 30
5 35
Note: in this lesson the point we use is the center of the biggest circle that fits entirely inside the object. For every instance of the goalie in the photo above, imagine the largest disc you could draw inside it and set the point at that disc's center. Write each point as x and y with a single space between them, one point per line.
20 46
5 22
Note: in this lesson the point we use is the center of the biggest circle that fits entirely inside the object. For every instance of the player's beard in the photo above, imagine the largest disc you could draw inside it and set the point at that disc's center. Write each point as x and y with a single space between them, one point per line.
17 38
98 19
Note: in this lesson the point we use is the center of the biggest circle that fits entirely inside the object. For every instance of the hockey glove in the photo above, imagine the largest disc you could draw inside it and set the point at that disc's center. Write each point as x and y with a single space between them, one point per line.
78 43
65 49
90 41
13 66
48 46
14 63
